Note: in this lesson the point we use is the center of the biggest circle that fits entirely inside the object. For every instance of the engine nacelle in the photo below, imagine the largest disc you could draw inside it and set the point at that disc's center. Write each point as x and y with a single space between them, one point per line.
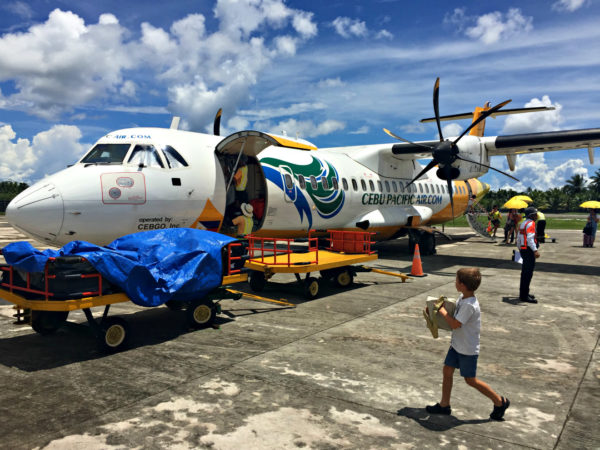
471 148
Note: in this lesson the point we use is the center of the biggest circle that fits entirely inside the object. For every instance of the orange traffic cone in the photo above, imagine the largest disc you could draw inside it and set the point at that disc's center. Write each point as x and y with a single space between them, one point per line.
417 270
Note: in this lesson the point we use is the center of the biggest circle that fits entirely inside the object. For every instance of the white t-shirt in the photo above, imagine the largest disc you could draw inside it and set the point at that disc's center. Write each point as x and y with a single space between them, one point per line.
465 340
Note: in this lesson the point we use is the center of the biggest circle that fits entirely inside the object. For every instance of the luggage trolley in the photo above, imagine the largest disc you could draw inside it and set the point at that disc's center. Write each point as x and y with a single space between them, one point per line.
268 256
70 283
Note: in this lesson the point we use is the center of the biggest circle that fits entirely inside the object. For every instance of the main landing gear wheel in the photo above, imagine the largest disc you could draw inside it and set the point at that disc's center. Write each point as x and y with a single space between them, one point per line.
47 322
425 240
114 334
257 280
344 278
201 314
311 288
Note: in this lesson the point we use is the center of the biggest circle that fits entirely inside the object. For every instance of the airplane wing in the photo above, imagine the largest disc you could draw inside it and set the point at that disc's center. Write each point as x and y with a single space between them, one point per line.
542 142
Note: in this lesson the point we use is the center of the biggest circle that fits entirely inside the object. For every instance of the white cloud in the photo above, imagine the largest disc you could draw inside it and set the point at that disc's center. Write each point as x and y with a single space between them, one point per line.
20 9
494 26
301 128
63 63
533 170
347 27
362 130
295 109
568 5
452 130
330 83
48 152
535 121
384 34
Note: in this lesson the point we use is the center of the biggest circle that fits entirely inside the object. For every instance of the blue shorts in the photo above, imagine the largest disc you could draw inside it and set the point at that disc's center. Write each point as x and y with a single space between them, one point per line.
466 363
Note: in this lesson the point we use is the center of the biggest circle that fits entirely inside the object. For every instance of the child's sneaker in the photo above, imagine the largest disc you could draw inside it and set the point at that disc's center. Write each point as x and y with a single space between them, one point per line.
438 409
498 412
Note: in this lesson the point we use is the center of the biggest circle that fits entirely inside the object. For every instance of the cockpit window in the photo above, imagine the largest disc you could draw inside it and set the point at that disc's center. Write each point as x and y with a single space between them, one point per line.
145 155
106 154
174 159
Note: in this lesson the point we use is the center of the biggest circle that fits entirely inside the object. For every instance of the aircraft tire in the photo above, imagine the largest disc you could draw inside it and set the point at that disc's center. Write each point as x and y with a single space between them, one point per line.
311 288
114 334
47 322
344 278
427 244
257 280
201 314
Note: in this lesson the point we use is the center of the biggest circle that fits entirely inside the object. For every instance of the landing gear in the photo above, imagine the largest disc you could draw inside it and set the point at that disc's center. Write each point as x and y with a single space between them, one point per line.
425 240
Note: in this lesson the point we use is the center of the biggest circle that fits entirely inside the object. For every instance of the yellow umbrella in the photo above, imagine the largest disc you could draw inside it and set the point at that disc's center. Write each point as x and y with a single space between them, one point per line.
593 204
524 198
515 203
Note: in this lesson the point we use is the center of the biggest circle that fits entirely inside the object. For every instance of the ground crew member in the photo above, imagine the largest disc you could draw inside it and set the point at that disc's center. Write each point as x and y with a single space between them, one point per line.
540 227
494 217
240 180
244 222
527 244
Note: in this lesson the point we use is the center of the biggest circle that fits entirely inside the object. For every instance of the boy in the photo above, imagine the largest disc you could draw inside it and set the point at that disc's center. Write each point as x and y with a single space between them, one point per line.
464 345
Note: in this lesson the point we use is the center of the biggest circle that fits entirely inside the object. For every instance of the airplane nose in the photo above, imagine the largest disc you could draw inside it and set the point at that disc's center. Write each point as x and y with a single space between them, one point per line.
38 211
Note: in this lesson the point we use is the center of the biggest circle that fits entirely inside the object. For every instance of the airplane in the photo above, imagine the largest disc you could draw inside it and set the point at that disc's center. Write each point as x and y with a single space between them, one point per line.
140 179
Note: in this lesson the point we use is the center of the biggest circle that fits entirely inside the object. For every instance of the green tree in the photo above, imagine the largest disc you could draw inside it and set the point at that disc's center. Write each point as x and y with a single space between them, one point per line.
595 183
575 184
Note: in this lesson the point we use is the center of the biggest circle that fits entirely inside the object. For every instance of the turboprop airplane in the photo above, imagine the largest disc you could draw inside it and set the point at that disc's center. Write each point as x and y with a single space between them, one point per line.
151 178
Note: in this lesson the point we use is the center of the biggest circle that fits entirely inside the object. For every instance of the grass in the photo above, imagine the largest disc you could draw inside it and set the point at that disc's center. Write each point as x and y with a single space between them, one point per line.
568 221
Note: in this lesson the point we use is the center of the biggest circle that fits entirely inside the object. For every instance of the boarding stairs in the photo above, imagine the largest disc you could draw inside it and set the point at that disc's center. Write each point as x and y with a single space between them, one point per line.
476 221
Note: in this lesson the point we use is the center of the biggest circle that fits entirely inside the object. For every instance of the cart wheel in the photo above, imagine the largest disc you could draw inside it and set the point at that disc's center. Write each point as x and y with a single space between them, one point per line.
114 334
47 322
344 278
257 280
311 288
201 314
175 305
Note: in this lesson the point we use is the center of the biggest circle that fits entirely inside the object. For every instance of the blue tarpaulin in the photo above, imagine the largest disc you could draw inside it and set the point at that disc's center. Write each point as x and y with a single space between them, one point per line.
151 267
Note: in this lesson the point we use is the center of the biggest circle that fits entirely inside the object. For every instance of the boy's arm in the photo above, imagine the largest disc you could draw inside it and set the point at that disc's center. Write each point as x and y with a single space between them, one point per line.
454 324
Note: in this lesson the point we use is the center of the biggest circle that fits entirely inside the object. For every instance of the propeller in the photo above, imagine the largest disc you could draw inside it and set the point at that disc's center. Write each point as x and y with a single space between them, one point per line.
217 123
445 152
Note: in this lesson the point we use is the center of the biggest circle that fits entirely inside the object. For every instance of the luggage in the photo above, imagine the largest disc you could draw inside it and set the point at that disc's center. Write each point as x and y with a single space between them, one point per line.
432 316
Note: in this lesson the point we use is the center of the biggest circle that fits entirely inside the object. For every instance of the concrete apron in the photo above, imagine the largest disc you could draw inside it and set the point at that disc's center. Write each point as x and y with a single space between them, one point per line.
351 369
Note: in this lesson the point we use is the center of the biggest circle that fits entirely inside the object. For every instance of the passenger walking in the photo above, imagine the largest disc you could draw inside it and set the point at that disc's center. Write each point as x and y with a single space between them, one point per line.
527 244
589 231
512 221
540 227
494 216
464 346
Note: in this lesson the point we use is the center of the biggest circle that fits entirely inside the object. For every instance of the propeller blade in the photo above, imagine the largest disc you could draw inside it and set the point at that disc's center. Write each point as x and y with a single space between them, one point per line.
449 181
428 167
436 106
489 167
484 115
217 123
406 140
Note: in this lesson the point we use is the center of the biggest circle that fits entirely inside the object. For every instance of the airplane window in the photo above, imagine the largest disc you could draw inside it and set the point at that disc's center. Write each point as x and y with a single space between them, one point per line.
420 188
437 188
399 186
289 184
324 183
106 154
302 182
313 182
363 185
427 188
146 155
379 186
354 184
395 186
387 186
371 185
334 181
174 159
345 184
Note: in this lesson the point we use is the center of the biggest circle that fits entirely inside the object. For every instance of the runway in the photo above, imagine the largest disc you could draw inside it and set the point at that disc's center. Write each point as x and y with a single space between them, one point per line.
352 369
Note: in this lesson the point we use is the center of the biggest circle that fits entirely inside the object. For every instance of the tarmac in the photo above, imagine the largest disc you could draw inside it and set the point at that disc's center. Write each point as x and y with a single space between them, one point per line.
351 369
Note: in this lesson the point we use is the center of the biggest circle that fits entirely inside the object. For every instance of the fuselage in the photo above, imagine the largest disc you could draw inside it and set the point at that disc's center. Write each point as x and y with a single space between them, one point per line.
150 178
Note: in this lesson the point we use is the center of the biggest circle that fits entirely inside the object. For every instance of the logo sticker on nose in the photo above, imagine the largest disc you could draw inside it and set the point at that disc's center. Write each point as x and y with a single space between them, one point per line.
114 193
123 188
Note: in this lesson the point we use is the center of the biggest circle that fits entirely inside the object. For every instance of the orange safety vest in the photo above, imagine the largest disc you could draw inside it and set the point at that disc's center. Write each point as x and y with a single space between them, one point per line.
528 227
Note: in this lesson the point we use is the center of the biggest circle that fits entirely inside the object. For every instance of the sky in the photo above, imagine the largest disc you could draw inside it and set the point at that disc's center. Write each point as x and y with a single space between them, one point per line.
335 73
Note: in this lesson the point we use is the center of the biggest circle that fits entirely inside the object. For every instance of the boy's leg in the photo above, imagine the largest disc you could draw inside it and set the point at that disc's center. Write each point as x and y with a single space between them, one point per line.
447 385
485 389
